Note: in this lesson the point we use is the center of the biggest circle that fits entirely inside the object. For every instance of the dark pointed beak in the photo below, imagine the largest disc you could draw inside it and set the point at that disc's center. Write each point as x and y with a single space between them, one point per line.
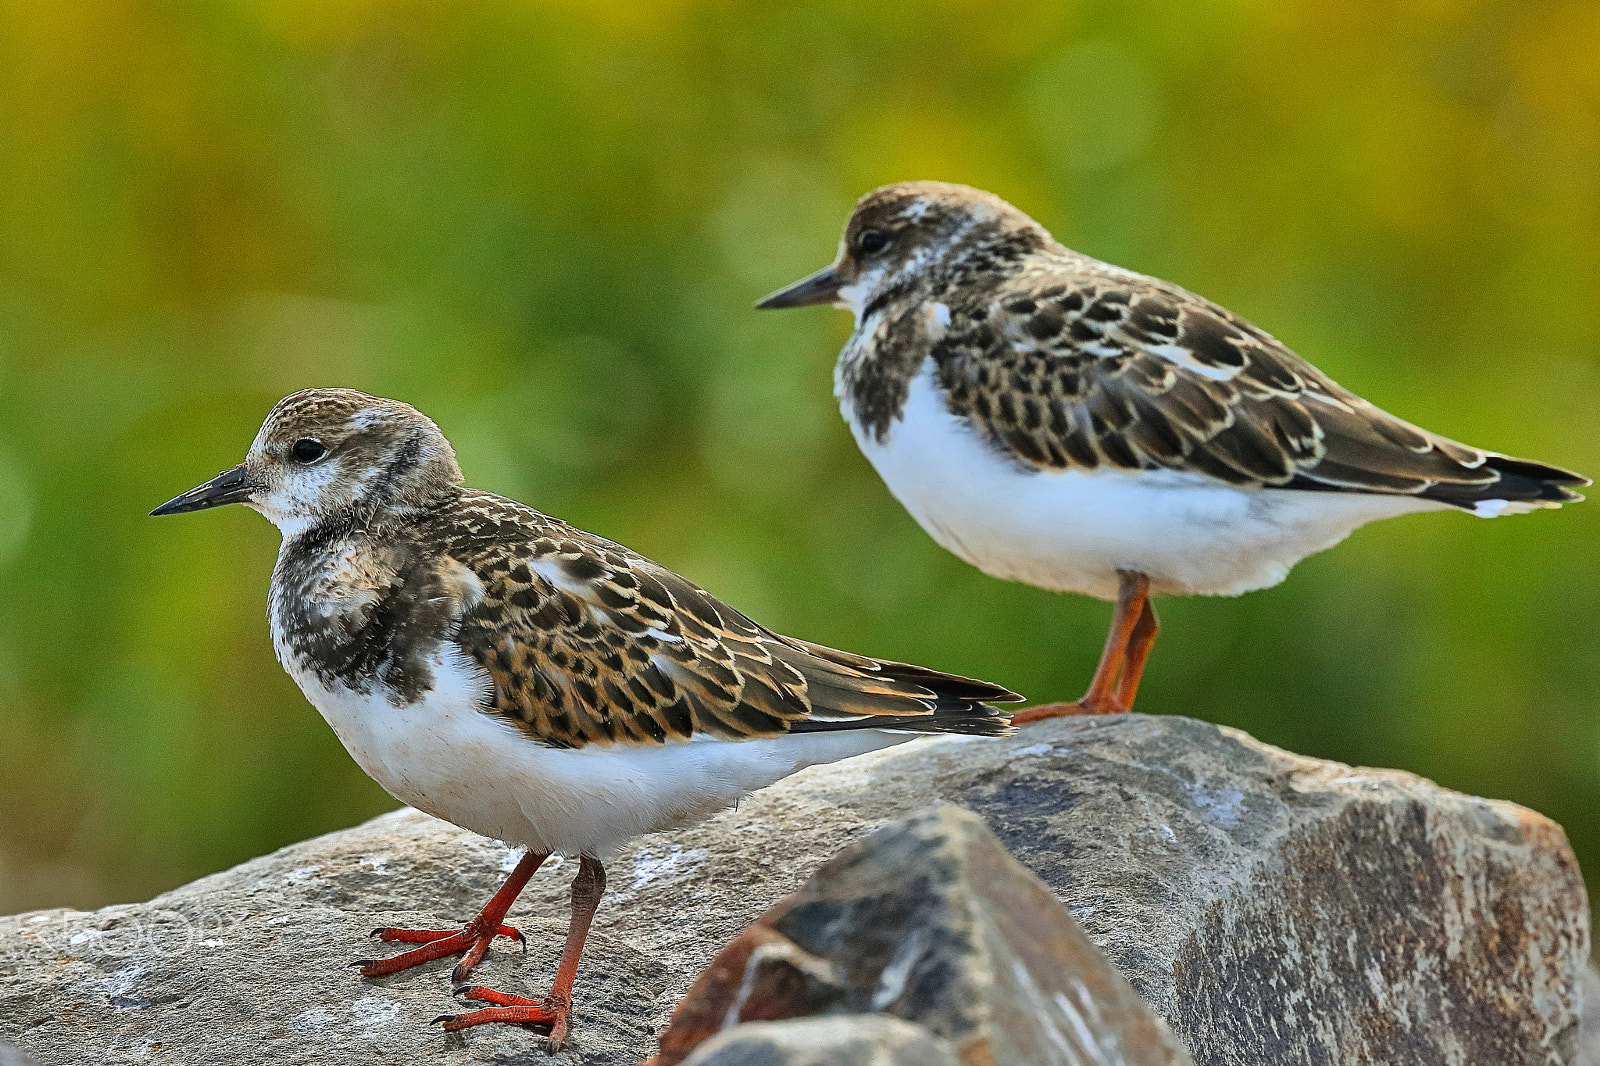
230 486
820 288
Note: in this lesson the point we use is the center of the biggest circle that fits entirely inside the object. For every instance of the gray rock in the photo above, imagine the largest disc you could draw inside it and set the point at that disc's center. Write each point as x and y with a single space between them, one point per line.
930 920
1589 1042
10 1056
861 1040
1271 908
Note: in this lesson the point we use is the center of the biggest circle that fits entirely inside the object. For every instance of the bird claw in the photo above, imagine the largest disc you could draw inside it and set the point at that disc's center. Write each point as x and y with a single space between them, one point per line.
549 1014
472 941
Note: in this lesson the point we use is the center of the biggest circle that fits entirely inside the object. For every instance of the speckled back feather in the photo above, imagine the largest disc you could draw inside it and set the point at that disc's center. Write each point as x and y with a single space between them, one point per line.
590 643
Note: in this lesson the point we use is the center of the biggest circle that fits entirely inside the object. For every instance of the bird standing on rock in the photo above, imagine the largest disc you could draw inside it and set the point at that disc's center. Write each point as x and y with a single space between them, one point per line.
1063 422
523 679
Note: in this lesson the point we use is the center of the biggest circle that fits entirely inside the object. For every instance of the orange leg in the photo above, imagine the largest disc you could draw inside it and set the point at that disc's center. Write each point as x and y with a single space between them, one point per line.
1140 641
555 1008
471 941
1116 679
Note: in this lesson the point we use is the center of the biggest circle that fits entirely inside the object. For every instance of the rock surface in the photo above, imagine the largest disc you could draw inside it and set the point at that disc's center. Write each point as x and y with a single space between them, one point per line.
869 1040
1271 908
930 920
1589 1042
12 1057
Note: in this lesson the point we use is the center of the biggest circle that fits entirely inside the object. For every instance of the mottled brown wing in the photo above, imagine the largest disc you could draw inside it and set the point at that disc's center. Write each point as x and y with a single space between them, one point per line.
590 643
1091 369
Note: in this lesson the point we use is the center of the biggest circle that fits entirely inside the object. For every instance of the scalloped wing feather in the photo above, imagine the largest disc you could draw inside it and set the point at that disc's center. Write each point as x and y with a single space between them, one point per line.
588 643
1082 365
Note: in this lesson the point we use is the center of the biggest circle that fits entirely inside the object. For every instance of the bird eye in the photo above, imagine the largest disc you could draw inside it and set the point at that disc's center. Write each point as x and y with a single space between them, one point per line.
872 242
307 451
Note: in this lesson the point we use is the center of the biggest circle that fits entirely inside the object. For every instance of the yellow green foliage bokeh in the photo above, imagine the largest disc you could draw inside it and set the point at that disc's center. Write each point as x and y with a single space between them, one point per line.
544 223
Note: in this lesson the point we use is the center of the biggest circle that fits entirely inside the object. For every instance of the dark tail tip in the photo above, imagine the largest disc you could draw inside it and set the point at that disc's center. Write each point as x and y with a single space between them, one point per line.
1521 479
1516 481
963 705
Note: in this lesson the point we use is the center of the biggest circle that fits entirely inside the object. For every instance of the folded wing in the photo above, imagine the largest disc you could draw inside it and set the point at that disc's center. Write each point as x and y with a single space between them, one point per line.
1101 368
589 643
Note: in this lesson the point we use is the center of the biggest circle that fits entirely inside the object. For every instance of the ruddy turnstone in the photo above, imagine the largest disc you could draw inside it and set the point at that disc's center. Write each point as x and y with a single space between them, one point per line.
526 680
1056 420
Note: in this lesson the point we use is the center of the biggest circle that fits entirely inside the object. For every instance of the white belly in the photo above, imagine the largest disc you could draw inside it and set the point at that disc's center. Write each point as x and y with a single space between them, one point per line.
445 756
1073 530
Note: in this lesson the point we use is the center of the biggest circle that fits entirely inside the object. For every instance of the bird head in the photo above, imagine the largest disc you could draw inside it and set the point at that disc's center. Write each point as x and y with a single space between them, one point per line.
329 455
906 240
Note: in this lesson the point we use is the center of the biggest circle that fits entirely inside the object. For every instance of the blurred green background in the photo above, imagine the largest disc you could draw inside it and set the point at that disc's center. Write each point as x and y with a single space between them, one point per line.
545 223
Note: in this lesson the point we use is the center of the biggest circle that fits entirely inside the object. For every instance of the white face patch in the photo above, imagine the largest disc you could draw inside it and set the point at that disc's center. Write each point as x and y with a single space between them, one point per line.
851 296
297 495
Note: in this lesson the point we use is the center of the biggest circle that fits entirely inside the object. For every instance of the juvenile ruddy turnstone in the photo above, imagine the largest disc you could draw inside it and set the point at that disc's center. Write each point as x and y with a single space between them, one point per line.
1056 420
526 680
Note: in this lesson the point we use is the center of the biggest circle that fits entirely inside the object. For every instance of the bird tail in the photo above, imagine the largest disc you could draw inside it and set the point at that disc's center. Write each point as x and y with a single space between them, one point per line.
1519 486
850 691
